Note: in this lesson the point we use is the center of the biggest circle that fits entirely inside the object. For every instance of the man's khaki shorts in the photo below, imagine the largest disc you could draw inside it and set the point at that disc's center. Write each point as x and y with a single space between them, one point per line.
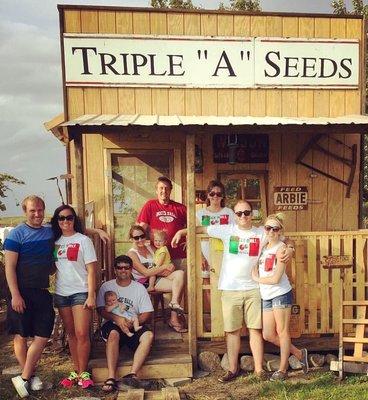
180 263
241 307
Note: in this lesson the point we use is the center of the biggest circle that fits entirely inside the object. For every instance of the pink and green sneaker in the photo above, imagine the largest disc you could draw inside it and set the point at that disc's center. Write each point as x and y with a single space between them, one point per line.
85 380
70 380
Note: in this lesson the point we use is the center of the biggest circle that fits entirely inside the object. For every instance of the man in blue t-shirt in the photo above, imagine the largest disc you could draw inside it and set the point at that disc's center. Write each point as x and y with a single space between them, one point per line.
28 264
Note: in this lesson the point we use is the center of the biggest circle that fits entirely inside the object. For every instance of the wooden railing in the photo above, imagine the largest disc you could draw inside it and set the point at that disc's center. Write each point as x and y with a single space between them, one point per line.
316 290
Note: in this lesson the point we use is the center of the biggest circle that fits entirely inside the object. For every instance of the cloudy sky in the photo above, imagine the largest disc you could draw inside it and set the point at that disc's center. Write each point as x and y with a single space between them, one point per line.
30 88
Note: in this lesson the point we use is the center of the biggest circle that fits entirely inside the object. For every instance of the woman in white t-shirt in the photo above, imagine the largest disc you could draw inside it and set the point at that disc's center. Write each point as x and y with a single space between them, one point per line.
277 298
75 297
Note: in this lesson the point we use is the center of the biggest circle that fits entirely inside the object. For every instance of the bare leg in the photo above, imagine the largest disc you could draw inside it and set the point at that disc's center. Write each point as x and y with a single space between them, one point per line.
145 343
233 348
256 345
33 356
282 318
66 315
151 283
112 353
20 349
82 322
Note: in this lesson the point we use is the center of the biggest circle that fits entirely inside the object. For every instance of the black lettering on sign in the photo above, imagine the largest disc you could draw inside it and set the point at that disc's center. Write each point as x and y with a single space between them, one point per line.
272 64
227 65
85 57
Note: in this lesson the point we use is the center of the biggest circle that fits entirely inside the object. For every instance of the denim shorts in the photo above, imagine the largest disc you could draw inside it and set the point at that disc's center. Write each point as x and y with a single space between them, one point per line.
282 301
76 299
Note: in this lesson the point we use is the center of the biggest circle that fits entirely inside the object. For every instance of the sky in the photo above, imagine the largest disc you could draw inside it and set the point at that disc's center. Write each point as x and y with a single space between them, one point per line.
31 89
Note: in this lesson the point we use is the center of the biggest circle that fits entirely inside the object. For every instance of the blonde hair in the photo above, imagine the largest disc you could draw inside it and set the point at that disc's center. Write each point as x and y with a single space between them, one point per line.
33 199
278 217
160 235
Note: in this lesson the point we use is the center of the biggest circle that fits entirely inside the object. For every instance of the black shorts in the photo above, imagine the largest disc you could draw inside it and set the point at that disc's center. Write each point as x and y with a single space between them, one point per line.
38 317
131 342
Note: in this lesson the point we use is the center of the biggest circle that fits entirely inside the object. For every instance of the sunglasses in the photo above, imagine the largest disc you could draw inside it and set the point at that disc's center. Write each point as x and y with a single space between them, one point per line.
245 212
213 194
124 267
65 217
138 237
268 228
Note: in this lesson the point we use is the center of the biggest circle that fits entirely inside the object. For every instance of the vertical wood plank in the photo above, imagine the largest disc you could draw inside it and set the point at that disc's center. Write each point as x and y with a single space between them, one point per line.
225 101
275 172
126 101
217 324
336 284
176 102
299 280
158 23
312 284
241 102
274 26
257 102
360 276
225 25
124 22
193 104
325 298
199 288
160 101
79 200
348 277
89 21
192 24
72 21
92 101
242 25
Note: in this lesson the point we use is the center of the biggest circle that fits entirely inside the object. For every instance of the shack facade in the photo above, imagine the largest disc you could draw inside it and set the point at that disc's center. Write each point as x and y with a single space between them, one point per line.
271 104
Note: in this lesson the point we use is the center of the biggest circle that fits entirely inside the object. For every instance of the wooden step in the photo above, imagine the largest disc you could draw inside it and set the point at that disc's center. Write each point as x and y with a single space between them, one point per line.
168 393
157 366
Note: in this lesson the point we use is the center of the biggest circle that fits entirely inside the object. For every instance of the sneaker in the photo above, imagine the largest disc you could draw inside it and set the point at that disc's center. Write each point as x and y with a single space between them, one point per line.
261 375
304 360
278 376
228 376
36 383
21 386
85 380
70 380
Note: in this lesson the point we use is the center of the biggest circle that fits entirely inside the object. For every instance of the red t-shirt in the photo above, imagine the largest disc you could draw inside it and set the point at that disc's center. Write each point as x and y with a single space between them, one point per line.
166 217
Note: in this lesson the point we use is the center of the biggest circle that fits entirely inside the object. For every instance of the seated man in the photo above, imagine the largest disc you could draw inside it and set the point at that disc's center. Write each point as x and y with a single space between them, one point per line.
136 299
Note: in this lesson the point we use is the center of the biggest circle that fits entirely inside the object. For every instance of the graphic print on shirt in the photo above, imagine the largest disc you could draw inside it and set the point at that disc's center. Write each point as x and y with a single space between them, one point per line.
248 246
269 262
208 220
67 252
165 216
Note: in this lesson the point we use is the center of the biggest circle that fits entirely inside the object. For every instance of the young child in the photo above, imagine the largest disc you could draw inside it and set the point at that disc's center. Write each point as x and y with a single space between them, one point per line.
113 305
161 256
276 294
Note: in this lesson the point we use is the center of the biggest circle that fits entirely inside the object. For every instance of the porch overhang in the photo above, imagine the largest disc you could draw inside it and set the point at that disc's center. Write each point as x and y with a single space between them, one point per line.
121 122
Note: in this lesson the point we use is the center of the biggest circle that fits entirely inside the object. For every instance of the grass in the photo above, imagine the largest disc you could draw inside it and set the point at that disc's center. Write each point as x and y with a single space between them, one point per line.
317 385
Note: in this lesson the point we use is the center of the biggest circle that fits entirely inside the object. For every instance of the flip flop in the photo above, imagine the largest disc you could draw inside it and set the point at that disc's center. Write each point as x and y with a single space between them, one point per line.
109 386
177 308
177 327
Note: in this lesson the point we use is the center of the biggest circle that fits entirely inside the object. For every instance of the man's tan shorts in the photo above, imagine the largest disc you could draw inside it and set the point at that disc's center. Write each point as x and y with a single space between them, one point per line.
241 307
180 263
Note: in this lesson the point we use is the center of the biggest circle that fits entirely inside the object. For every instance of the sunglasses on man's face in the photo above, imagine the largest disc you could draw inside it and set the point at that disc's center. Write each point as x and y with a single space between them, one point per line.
245 212
125 267
268 228
65 217
138 237
213 194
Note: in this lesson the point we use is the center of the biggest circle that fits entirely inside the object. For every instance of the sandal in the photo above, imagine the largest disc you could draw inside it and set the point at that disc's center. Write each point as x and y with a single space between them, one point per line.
109 385
177 308
177 327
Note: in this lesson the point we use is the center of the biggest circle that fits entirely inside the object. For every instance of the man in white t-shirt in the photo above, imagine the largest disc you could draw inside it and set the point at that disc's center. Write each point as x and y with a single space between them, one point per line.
136 299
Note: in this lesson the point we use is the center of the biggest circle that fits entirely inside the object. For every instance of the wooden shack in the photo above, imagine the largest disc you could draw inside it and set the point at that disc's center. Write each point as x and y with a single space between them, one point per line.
272 104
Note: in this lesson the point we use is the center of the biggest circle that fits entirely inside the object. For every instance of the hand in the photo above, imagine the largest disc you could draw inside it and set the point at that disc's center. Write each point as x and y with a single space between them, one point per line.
167 270
90 303
103 236
176 239
18 304
286 255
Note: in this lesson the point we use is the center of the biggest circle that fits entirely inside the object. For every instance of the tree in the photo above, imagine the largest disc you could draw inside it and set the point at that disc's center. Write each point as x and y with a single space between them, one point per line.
5 179
183 4
339 7
242 5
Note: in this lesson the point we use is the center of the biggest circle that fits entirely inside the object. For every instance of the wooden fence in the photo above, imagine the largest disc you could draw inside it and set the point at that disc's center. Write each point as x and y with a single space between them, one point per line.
316 290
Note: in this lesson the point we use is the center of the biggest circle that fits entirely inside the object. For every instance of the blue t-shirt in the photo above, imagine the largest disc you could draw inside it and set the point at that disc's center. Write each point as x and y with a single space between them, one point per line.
35 258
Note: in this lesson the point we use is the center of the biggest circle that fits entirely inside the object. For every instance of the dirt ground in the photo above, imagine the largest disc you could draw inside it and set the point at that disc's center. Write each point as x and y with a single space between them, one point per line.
317 385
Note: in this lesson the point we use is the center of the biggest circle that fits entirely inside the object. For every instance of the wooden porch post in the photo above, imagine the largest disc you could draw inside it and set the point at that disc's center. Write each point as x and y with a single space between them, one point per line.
79 179
191 224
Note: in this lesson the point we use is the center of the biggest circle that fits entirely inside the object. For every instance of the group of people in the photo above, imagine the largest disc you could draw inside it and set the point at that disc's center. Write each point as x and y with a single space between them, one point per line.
252 278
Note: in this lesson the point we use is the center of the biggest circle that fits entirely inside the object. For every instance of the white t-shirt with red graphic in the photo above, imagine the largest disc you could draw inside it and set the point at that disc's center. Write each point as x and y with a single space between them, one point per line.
72 253
169 217
241 252
225 216
267 264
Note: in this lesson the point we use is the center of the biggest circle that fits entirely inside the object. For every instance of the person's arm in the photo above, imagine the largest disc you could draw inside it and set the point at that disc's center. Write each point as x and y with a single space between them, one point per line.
276 276
147 272
17 301
91 284
144 317
160 260
121 322
109 308
183 232
144 225
288 251
101 233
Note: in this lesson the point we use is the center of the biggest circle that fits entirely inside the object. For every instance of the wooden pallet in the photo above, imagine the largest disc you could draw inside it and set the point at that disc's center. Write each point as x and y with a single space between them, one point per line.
168 393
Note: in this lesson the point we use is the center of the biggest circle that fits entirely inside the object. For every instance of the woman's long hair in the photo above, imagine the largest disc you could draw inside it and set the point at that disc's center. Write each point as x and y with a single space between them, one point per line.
55 222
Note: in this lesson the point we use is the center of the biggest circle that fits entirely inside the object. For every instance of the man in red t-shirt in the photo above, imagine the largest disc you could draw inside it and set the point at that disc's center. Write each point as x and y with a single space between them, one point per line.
168 215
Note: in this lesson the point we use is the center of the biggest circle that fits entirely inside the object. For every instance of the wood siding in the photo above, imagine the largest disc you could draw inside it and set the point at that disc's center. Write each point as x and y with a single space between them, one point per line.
330 210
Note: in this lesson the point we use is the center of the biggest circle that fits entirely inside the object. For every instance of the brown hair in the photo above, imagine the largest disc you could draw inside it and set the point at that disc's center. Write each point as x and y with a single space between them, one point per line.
165 180
32 198
211 185
136 228
109 293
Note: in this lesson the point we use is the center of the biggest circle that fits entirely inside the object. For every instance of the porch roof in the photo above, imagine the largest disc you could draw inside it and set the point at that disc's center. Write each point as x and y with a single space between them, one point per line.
183 120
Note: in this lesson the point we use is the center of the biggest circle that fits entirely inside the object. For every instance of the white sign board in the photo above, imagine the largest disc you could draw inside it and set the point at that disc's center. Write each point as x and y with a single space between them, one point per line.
199 62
